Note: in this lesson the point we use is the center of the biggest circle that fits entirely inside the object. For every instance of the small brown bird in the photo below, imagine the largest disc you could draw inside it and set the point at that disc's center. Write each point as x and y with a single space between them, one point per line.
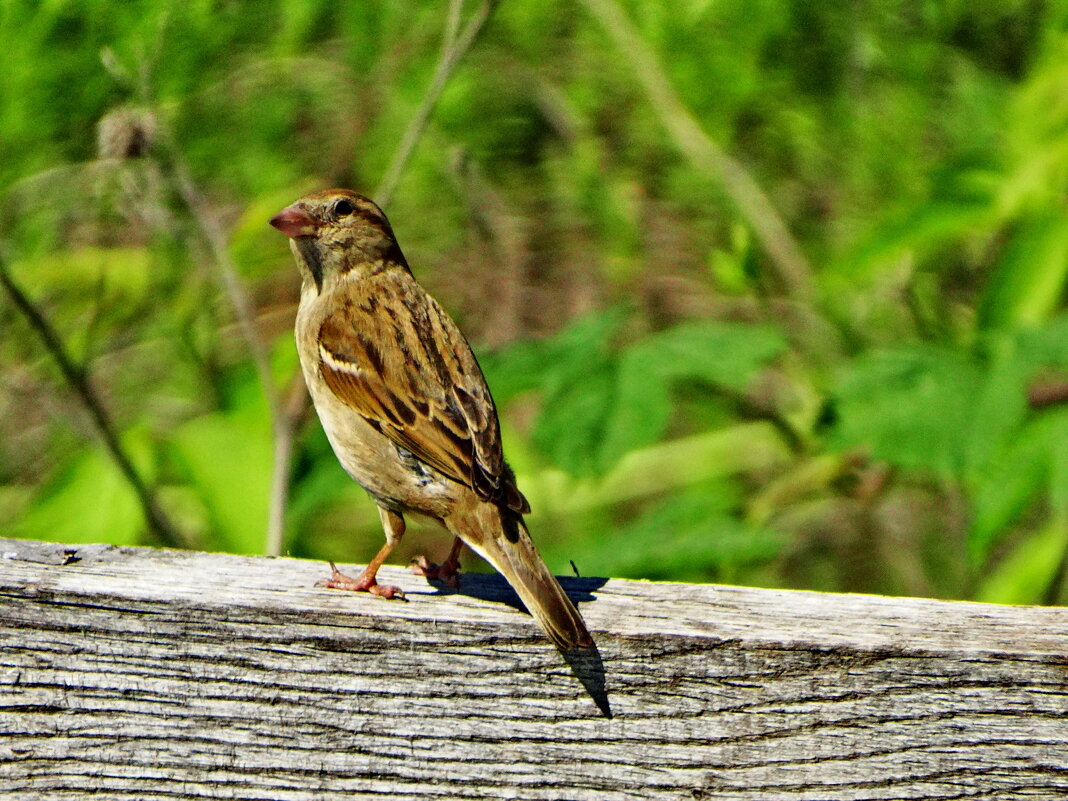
405 406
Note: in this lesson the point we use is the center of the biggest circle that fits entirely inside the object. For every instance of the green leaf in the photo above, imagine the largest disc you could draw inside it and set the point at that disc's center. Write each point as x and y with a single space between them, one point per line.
126 271
92 501
728 267
314 491
586 337
664 467
1046 346
719 353
228 456
516 369
1058 479
726 354
599 405
1026 574
908 406
1028 280
579 387
1013 481
570 427
690 536
924 227
638 409
1033 143
1000 405
550 364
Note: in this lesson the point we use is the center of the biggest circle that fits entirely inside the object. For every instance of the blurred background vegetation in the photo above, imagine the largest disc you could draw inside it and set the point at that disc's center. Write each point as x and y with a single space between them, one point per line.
767 291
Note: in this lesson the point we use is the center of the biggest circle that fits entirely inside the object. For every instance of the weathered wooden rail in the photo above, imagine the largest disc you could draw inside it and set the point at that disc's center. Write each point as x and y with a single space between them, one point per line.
156 674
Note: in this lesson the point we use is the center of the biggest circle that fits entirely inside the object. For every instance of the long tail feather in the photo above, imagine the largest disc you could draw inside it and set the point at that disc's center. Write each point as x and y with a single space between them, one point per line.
500 538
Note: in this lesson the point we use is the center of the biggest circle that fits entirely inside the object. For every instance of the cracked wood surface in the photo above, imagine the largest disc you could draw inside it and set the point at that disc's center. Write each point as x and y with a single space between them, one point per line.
157 674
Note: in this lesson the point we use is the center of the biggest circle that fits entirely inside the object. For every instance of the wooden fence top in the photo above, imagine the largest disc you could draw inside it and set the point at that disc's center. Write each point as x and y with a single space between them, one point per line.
145 673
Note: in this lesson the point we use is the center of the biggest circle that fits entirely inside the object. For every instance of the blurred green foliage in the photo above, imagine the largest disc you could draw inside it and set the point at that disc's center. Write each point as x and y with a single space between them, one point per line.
671 411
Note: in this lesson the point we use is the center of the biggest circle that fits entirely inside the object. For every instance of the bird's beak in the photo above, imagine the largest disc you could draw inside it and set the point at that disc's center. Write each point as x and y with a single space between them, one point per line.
293 221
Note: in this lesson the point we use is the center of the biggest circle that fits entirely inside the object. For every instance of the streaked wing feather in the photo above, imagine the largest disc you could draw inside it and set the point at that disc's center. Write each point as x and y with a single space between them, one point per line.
427 394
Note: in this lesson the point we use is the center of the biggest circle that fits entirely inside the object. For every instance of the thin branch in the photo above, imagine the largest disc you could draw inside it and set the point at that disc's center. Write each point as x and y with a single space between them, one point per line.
1041 395
293 411
454 47
78 380
794 271
283 428
285 432
216 238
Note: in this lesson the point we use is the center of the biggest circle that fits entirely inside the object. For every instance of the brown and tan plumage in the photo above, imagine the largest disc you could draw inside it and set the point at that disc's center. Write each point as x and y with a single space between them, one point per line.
423 389
405 405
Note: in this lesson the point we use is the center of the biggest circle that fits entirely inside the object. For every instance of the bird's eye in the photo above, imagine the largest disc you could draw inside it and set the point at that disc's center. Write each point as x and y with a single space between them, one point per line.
343 208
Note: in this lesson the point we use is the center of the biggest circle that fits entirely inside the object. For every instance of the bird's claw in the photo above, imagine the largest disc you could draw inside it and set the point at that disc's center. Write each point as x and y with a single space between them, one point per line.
362 583
387 591
448 573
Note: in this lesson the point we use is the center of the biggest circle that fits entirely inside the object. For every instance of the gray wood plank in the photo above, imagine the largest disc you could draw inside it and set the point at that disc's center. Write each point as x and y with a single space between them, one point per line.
156 674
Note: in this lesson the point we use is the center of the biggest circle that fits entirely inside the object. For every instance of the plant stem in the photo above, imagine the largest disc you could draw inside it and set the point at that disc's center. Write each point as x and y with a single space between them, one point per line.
454 47
78 380
794 271
283 429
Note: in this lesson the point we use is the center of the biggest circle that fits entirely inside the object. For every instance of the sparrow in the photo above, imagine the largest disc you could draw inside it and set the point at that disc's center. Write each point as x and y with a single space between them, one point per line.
405 405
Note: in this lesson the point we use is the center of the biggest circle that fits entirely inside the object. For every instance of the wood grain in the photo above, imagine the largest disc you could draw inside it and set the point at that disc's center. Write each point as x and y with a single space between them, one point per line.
159 674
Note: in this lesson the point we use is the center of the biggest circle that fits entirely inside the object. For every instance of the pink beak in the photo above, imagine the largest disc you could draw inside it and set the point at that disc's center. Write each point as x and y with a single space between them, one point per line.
293 221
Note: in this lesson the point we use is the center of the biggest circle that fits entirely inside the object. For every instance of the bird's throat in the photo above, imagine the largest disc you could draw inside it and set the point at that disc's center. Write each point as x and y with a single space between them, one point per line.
307 251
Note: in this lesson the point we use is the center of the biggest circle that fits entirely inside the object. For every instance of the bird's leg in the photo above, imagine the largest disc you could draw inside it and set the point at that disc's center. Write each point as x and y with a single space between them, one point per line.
393 524
448 571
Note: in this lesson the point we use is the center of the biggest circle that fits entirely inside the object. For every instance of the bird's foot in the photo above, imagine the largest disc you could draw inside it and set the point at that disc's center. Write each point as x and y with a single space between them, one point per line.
448 573
365 582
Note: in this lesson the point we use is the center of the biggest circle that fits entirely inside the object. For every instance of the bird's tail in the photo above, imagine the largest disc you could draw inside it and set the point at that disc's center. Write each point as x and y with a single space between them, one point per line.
500 537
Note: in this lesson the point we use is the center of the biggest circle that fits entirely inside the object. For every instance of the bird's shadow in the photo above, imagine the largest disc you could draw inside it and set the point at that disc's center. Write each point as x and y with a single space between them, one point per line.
585 663
494 588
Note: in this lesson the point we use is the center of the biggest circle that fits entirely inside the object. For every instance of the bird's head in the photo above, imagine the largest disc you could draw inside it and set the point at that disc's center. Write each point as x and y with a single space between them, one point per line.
336 231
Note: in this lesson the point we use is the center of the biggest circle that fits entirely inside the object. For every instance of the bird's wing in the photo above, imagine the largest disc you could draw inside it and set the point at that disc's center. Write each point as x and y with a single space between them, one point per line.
392 353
